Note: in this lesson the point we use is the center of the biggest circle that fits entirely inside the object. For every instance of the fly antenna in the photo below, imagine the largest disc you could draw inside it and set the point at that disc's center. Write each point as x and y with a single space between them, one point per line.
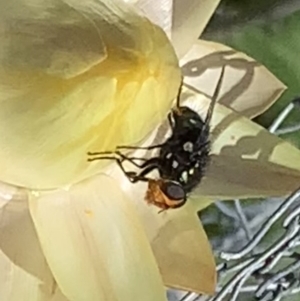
178 95
214 98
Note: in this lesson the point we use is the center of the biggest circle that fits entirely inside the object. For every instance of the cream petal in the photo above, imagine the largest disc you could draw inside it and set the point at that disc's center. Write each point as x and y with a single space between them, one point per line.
179 243
183 253
48 36
190 18
197 204
58 295
248 87
57 105
247 161
24 273
94 243
159 12
183 21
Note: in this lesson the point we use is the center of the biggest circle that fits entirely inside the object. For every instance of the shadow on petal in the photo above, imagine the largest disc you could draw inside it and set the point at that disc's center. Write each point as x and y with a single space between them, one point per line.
248 161
231 178
184 254
248 86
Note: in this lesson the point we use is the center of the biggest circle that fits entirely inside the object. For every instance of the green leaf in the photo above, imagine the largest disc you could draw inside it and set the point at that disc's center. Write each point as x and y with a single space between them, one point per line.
277 46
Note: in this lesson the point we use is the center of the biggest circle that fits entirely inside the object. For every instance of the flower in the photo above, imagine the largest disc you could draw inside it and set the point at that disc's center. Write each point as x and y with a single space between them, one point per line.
80 76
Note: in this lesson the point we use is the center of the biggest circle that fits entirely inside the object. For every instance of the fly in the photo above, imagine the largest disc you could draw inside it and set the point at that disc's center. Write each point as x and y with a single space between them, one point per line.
181 161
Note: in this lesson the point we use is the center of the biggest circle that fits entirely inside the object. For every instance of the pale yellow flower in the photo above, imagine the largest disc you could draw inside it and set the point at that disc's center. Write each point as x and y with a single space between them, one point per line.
78 76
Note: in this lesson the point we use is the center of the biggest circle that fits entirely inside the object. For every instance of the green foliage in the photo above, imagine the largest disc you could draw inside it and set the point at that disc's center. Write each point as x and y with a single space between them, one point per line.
277 46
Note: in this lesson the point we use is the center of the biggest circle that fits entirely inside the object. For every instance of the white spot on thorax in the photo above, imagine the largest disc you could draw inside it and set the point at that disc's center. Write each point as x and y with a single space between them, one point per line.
175 164
188 146
184 176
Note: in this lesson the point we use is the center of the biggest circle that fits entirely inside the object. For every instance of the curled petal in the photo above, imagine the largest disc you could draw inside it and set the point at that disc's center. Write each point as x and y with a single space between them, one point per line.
94 243
77 76
248 87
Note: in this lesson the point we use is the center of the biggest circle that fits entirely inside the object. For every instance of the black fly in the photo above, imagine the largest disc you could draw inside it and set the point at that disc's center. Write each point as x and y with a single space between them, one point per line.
182 158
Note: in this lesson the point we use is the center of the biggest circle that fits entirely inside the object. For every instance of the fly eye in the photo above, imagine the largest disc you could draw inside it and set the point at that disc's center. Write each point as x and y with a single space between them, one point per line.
174 191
